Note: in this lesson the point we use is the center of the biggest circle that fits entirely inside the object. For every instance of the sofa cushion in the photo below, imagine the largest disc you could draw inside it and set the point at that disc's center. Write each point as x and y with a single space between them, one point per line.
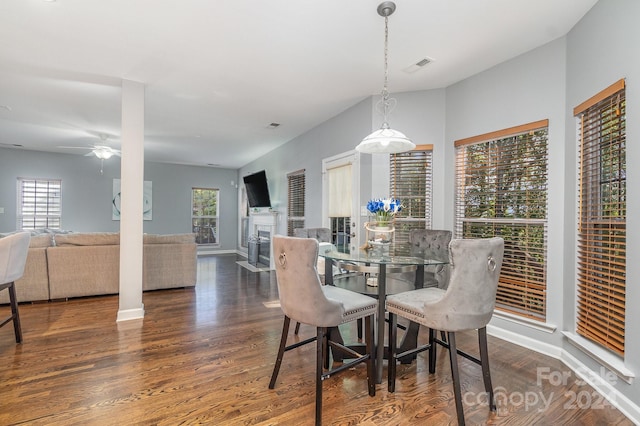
88 239
169 239
39 241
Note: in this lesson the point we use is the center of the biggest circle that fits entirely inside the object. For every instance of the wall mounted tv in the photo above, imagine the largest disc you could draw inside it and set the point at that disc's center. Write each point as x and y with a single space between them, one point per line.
257 189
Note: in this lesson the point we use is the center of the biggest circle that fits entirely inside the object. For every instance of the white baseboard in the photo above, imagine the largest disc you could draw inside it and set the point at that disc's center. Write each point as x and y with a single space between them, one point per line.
130 314
598 381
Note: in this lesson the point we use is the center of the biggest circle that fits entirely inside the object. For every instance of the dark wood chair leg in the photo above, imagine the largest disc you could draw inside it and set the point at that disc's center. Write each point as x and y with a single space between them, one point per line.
320 349
14 313
283 344
484 360
359 321
297 329
453 357
371 350
393 335
432 351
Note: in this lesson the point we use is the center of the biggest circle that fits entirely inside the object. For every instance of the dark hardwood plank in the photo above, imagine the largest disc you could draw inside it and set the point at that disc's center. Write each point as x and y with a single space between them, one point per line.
205 355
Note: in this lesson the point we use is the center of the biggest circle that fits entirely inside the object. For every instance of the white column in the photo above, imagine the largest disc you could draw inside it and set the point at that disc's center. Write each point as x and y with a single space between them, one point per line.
131 219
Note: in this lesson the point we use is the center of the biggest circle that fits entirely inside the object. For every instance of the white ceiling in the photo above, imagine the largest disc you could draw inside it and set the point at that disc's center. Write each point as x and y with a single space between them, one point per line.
217 73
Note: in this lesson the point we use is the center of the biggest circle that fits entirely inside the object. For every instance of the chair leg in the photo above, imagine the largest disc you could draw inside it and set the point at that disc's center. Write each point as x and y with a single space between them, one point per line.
283 344
371 350
486 373
297 329
393 335
14 313
359 321
320 356
432 351
456 377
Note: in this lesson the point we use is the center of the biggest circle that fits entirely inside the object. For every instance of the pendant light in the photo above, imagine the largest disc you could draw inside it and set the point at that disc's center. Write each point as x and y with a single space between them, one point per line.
385 139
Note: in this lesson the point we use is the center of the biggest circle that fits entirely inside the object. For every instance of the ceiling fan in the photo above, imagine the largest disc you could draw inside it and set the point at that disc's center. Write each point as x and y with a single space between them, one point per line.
101 151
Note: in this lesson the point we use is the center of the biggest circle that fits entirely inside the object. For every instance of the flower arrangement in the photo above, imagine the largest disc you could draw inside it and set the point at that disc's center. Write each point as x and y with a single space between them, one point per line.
384 208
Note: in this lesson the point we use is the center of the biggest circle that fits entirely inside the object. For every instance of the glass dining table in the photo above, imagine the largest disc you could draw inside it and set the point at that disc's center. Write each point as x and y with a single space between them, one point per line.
368 273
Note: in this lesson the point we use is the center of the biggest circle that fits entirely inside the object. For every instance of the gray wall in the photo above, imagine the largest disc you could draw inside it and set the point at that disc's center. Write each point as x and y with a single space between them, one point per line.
335 136
86 195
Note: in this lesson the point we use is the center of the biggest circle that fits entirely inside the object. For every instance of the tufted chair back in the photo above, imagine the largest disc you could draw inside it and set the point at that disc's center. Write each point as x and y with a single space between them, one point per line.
323 235
432 243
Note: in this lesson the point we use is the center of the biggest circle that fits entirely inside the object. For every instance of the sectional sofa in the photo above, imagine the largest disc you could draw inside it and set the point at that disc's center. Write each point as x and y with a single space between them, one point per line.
61 266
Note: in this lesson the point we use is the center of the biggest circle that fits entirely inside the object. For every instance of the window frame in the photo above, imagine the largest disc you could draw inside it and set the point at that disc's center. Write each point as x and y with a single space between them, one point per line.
204 233
296 204
600 315
523 281
52 219
403 171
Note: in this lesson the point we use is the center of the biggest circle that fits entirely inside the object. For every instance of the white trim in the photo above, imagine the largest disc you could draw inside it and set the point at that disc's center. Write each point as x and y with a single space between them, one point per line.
517 319
524 341
209 252
130 314
601 355
616 398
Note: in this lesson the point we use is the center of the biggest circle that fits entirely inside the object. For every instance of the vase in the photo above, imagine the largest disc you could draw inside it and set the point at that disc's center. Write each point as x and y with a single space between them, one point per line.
379 233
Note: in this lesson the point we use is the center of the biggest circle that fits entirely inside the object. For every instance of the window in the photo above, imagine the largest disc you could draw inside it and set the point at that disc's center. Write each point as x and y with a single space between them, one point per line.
204 218
411 183
295 201
39 203
501 190
602 218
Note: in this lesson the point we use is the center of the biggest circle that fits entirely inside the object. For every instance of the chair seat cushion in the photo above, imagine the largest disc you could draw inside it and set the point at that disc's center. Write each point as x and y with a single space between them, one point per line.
354 305
410 304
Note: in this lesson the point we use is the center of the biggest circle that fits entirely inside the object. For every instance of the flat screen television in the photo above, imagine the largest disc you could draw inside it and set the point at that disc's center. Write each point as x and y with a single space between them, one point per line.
257 189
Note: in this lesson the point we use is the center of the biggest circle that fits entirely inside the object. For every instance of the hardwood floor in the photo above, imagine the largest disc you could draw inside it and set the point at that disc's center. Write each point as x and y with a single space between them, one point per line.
205 355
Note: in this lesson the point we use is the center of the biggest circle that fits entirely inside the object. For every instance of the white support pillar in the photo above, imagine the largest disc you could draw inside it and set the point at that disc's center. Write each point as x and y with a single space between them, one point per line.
131 213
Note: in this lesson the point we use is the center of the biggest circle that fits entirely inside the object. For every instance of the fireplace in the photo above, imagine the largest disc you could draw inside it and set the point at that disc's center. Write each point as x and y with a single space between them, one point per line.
262 228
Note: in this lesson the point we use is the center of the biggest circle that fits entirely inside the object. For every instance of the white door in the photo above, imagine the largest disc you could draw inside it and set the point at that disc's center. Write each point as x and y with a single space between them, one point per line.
340 198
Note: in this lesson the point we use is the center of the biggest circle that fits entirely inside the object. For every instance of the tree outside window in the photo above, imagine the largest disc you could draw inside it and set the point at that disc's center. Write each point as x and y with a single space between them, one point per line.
204 216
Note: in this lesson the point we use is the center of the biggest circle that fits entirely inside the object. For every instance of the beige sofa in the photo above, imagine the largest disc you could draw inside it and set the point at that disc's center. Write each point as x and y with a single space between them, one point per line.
60 266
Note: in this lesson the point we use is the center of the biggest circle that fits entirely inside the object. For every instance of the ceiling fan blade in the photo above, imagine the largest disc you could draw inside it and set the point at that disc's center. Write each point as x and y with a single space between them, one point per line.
75 147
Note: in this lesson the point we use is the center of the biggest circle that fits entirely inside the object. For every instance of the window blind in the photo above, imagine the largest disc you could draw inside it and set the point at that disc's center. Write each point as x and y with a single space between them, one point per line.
295 201
501 190
40 203
601 242
411 183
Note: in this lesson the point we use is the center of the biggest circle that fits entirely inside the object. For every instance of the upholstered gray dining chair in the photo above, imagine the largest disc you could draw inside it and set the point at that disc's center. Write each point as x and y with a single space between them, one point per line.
322 235
13 256
304 299
466 304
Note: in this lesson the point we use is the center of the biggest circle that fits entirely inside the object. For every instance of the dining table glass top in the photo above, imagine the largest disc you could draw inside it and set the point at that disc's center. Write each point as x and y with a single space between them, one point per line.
400 254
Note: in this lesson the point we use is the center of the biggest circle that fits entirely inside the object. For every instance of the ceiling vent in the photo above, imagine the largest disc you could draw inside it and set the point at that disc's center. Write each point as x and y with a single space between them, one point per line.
418 65
273 125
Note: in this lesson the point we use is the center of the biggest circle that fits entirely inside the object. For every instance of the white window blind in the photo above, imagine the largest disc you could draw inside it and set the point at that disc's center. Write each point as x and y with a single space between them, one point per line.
602 218
295 200
501 190
39 203
411 183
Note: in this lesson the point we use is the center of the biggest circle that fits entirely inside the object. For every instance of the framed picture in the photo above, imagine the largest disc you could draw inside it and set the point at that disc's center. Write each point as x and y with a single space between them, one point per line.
147 207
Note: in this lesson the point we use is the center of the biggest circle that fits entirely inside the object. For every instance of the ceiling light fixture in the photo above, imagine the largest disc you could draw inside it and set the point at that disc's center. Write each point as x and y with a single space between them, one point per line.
385 139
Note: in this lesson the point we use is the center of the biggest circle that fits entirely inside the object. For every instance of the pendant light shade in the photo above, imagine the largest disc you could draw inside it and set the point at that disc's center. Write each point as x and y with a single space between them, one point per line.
385 139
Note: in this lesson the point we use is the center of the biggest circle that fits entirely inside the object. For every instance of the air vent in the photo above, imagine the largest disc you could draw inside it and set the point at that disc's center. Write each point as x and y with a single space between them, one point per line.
418 65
